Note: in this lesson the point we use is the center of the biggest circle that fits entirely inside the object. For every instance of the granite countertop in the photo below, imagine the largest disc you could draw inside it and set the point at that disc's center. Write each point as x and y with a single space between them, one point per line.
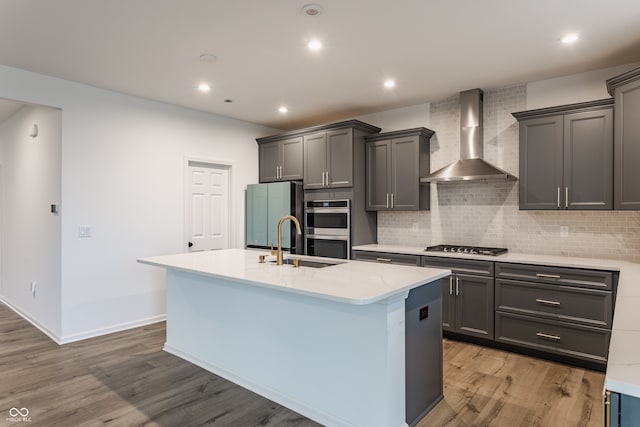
351 282
623 367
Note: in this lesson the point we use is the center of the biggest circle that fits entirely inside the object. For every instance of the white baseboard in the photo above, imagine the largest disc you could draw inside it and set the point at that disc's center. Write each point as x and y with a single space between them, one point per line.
112 329
287 401
31 320
87 334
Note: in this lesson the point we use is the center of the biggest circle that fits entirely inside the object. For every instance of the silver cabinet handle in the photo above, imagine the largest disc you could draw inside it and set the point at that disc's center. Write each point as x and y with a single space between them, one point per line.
457 286
280 172
383 259
548 302
558 199
391 200
548 336
326 174
450 285
566 197
323 184
387 200
277 172
547 276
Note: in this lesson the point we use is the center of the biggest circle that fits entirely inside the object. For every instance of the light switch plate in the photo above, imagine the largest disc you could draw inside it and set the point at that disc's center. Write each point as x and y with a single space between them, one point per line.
84 231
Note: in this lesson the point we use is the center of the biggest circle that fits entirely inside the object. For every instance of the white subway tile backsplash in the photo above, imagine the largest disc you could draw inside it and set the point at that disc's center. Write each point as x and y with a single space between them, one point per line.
487 214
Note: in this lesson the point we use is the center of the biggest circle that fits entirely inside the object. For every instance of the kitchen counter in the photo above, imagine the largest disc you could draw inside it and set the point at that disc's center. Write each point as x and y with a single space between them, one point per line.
623 367
327 342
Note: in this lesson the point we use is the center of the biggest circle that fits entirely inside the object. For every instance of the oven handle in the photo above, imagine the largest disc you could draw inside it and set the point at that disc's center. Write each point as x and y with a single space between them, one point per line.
325 237
327 210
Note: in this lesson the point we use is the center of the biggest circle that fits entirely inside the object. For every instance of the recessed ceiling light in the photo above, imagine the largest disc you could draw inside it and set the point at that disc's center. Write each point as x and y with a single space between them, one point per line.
283 110
204 87
314 44
389 83
570 38
312 9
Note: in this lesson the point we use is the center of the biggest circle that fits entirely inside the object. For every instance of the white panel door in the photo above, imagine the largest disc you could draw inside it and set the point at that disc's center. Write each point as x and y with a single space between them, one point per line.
207 207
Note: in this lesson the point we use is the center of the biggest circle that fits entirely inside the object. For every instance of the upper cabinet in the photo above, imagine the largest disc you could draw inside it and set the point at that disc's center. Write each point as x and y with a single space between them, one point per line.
328 159
625 89
566 157
281 160
394 164
322 156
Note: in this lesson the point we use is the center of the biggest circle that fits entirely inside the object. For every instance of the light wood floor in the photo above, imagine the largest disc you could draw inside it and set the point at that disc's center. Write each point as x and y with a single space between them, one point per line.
125 379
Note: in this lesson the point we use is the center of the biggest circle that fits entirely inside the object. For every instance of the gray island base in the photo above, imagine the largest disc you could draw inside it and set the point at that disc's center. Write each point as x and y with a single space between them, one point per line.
352 344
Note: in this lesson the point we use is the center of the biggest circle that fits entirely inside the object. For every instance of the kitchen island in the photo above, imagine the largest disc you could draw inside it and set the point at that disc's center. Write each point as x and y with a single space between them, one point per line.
328 342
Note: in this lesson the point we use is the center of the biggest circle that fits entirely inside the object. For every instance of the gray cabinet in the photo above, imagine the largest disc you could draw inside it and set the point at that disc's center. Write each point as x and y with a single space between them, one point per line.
395 162
387 258
625 89
566 156
328 159
467 296
281 160
621 410
558 310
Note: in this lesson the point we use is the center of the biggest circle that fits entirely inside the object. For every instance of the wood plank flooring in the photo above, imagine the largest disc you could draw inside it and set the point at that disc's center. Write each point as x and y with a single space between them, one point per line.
488 387
125 379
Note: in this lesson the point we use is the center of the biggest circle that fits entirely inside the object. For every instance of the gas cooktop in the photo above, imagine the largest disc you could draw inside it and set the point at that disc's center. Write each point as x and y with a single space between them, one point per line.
474 250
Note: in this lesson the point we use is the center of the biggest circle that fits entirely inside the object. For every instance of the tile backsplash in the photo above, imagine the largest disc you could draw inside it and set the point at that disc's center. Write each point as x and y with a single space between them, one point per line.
487 214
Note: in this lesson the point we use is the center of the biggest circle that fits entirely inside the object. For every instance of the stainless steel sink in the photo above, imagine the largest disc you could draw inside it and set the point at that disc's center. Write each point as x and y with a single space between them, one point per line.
308 263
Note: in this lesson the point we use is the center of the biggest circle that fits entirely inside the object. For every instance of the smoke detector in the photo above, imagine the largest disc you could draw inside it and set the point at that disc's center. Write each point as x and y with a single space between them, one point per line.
312 9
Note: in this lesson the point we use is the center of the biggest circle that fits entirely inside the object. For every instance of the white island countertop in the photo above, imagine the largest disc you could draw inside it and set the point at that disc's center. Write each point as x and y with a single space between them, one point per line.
352 282
623 366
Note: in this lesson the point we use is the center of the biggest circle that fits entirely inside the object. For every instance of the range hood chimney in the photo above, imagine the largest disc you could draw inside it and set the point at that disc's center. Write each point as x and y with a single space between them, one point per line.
471 166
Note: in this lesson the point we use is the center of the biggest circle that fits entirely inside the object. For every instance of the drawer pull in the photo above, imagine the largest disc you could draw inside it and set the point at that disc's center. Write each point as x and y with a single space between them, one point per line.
383 260
548 336
547 302
548 276
457 286
450 285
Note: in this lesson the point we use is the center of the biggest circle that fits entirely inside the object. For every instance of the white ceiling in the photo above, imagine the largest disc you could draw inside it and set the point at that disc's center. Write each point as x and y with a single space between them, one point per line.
433 49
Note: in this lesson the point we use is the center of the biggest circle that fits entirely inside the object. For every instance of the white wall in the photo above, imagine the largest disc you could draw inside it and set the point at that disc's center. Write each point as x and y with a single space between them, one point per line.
399 118
30 232
122 174
573 88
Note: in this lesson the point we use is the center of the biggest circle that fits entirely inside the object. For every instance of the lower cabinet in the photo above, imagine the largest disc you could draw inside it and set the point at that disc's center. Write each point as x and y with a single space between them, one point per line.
563 311
621 410
467 297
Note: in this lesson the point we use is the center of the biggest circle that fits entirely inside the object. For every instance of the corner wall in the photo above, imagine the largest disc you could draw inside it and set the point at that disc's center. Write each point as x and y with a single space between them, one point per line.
30 235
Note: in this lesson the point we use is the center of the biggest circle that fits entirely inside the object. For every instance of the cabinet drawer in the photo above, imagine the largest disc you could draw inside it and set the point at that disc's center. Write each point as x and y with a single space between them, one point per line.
595 279
564 338
467 266
388 258
582 305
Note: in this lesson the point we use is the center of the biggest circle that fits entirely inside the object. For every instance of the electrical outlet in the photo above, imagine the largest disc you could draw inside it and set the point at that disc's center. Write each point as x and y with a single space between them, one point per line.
424 312
564 231
414 226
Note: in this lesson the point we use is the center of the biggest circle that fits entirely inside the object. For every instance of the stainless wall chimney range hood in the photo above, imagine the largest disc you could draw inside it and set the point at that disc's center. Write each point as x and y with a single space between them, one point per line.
471 166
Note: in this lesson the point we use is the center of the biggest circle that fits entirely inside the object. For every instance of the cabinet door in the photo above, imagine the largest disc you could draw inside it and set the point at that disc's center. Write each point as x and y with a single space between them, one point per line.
541 162
405 174
588 160
315 160
378 175
474 305
256 215
340 158
279 205
627 147
291 160
269 159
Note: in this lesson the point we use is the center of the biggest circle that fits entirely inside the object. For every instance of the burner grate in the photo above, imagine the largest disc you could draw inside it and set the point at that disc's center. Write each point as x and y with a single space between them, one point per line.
473 250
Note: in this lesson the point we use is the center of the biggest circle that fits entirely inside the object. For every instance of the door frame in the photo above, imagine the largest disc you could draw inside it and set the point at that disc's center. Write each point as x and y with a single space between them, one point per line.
217 164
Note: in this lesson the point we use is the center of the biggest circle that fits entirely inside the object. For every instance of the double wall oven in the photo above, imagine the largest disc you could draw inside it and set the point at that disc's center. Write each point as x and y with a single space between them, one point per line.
328 228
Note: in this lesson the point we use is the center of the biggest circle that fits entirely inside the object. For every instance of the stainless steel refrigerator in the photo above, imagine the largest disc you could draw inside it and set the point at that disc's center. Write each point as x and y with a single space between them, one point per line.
265 205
